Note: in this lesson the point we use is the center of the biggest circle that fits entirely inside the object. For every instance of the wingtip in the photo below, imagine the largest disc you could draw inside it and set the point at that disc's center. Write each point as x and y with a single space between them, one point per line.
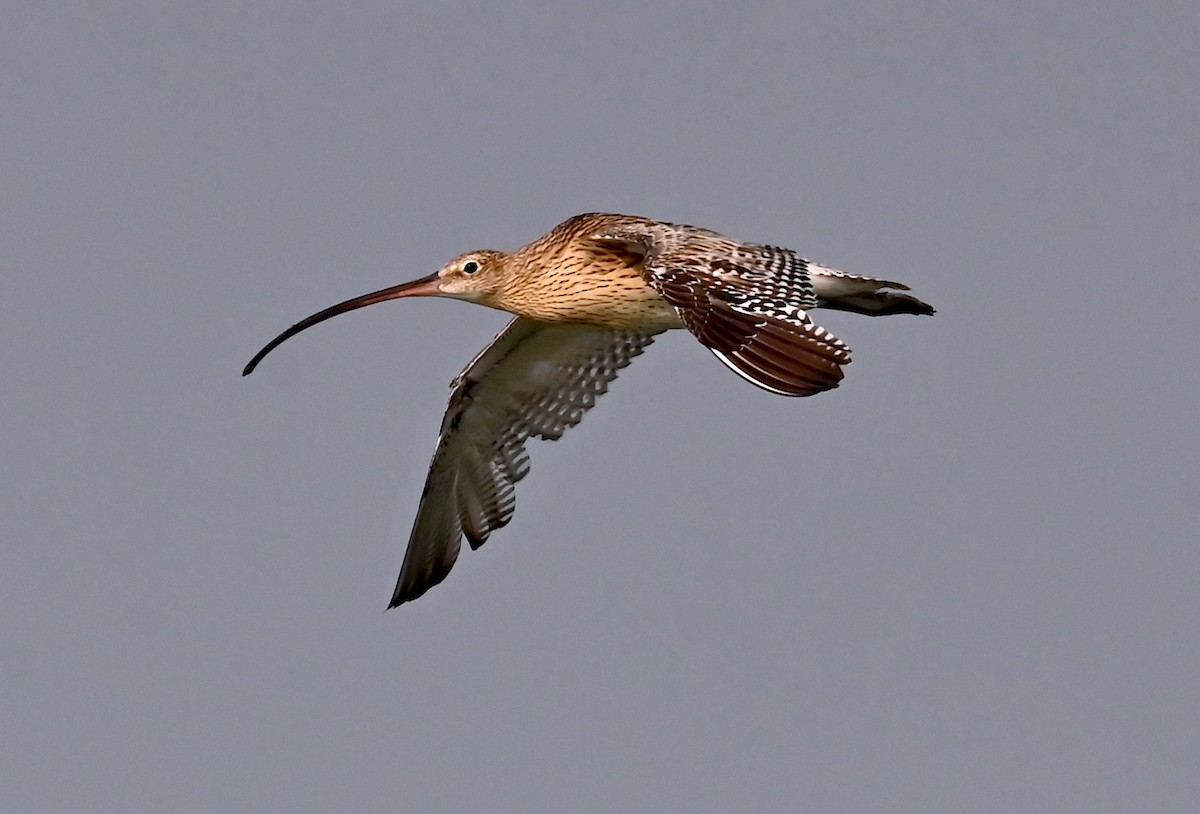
399 598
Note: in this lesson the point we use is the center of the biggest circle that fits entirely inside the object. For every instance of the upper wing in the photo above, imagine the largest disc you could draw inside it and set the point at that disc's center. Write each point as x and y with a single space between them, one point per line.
534 379
746 302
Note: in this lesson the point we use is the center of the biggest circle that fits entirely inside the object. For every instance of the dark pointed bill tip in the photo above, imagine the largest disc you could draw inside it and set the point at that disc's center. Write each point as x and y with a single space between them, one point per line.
425 287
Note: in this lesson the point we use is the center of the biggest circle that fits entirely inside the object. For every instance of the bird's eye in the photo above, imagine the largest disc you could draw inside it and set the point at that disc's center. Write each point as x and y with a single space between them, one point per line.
470 267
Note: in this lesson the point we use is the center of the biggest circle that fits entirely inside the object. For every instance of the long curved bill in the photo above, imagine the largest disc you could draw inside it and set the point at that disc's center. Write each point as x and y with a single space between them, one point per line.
425 287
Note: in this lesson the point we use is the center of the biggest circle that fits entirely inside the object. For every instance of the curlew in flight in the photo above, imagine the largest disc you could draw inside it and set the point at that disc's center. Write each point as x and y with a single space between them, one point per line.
588 297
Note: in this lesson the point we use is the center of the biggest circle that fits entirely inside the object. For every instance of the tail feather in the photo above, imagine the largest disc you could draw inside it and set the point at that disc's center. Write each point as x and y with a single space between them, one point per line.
878 304
870 296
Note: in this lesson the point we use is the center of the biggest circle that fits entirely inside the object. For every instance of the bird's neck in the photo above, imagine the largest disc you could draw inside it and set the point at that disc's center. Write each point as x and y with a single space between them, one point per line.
583 286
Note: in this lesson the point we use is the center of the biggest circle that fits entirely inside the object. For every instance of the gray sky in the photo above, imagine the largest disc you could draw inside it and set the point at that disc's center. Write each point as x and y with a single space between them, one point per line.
964 581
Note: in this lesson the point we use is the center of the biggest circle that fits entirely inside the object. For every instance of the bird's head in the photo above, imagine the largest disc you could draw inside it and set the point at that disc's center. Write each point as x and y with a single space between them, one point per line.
475 277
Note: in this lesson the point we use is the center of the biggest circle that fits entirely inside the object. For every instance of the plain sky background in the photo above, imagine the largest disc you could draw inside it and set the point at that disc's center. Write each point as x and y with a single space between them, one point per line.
965 581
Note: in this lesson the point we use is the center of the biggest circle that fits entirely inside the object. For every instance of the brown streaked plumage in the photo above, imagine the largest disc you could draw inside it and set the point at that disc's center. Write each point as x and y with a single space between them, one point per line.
588 296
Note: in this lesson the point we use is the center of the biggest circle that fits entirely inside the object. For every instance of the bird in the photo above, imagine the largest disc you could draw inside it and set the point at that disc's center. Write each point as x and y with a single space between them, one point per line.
587 298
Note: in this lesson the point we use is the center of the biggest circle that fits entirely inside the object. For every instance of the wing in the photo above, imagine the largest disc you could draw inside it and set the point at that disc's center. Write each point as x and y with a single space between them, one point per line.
746 302
534 379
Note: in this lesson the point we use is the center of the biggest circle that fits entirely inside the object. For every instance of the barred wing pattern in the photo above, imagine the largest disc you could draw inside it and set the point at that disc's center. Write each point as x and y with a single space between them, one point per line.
534 379
745 302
